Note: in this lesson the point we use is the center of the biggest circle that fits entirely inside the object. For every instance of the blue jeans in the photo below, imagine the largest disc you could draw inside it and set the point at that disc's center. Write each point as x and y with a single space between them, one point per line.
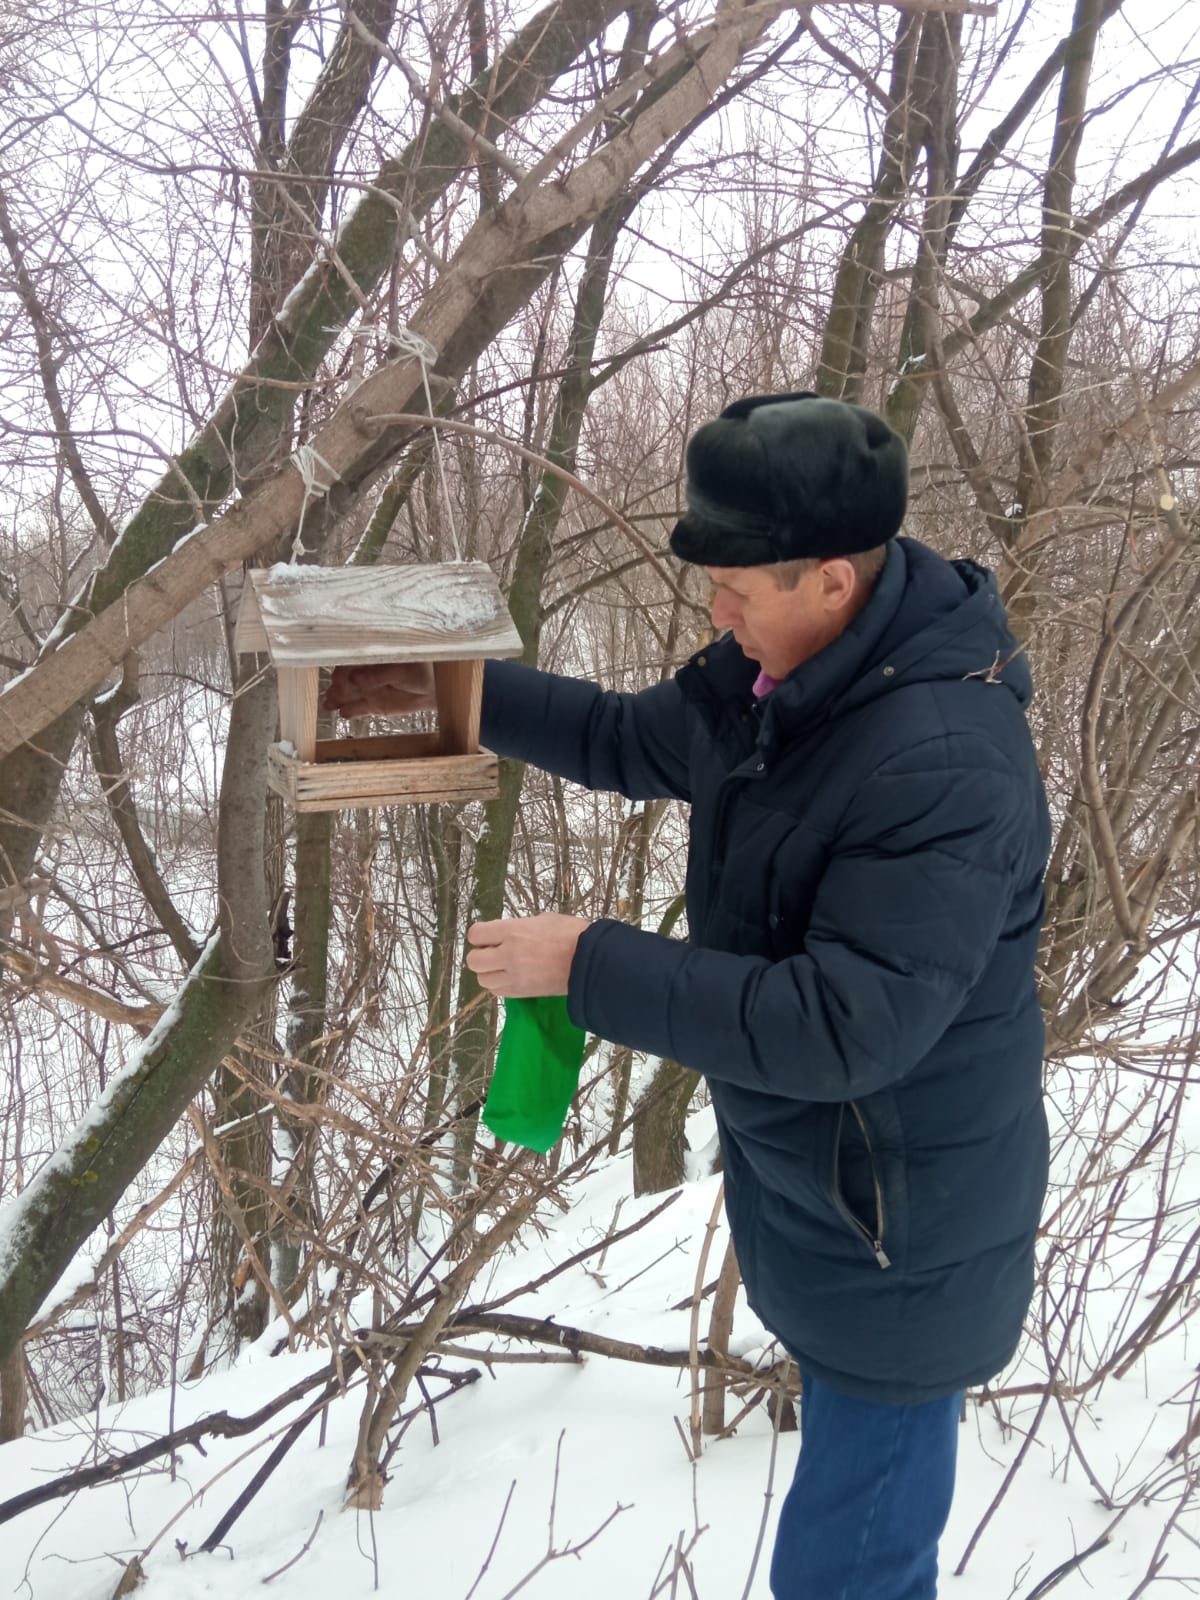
869 1501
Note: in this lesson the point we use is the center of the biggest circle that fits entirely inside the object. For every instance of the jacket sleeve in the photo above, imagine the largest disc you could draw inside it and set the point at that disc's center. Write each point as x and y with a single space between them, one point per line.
635 744
907 914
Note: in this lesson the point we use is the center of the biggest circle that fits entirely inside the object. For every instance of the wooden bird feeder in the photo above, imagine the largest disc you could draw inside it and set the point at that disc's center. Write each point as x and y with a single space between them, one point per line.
306 618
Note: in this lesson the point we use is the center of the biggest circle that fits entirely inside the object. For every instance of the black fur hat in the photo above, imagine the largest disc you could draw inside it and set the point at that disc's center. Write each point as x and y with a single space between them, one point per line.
780 477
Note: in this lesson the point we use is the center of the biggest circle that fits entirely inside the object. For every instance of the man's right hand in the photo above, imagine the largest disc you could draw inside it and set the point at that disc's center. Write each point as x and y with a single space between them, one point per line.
386 690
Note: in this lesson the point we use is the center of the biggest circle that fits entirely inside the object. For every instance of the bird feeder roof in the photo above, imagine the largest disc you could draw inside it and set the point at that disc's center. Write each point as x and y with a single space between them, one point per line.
333 616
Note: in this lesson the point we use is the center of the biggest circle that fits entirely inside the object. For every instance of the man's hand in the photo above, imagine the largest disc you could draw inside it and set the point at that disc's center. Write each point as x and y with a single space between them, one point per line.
387 690
524 957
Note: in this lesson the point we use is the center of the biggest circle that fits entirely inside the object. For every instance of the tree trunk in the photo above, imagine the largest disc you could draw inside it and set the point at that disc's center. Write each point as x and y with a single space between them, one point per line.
500 263
473 1038
241 1143
1047 371
843 356
248 425
13 1396
936 91
248 878
472 1046
502 260
659 1141
720 1331
110 772
85 1178
629 909
307 1021
56 1212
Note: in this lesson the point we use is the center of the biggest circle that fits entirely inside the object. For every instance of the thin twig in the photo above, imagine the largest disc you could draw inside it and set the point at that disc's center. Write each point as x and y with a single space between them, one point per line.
487 1560
1054 1578
303 1551
768 1495
694 1320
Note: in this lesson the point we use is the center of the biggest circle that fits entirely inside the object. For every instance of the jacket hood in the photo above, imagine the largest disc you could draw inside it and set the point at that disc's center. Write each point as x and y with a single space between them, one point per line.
929 620
947 623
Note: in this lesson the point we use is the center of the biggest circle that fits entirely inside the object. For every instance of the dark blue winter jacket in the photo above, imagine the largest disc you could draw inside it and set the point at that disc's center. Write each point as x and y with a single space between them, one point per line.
864 896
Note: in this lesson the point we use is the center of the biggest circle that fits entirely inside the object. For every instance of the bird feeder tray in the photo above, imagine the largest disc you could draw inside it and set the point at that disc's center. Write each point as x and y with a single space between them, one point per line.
450 615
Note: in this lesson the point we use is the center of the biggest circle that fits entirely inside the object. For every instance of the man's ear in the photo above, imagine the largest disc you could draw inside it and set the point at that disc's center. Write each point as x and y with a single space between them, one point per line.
838 581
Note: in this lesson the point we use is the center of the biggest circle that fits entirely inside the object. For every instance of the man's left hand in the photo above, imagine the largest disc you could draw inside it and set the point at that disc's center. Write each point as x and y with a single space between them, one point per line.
524 957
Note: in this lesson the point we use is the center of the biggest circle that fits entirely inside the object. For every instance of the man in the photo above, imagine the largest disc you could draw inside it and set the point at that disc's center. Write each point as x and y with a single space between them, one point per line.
868 837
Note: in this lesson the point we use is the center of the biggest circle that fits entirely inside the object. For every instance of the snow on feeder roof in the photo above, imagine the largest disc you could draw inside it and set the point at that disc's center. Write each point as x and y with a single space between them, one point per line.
304 618
339 616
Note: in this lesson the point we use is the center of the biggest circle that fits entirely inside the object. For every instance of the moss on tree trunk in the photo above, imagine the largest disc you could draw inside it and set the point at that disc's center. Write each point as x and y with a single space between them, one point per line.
53 1217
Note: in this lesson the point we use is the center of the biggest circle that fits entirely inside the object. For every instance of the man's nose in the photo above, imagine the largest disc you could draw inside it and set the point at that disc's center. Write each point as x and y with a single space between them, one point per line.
723 613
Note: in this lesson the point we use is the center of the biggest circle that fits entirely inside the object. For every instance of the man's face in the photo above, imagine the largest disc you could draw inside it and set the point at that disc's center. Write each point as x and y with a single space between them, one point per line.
780 628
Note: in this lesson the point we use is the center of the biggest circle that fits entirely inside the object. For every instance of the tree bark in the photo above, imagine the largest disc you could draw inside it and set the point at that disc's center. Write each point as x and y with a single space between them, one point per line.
1048 367
472 1043
13 1395
113 778
307 1020
242 1144
720 1331
54 1215
85 1178
659 1141
937 93
235 445
843 356
288 191
500 263
630 909
502 260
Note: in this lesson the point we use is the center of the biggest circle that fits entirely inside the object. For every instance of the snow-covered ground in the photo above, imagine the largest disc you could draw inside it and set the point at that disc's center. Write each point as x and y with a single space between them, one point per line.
444 1531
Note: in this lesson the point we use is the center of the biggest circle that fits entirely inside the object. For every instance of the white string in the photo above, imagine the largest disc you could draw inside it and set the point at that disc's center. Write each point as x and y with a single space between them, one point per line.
306 458
410 343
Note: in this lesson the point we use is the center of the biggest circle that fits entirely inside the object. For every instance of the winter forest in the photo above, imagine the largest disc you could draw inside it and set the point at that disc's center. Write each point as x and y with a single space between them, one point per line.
349 284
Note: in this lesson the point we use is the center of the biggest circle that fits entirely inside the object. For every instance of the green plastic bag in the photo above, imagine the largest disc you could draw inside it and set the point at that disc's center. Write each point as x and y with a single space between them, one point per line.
537 1072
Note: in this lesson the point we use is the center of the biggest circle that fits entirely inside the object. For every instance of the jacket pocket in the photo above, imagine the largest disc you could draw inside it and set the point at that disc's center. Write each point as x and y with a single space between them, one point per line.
860 1204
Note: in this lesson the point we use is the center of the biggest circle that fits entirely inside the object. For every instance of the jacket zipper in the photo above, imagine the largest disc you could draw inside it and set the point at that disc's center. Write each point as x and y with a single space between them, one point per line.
874 1241
725 790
